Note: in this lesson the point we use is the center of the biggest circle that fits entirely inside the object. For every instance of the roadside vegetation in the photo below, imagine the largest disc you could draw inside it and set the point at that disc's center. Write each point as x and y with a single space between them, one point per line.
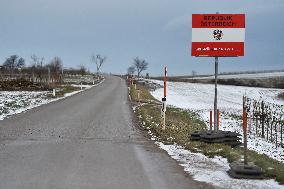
281 96
181 123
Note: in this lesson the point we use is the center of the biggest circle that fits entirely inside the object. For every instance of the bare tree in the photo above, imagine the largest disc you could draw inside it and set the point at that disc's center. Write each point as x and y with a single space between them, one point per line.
131 70
13 63
56 67
82 70
98 60
37 67
140 65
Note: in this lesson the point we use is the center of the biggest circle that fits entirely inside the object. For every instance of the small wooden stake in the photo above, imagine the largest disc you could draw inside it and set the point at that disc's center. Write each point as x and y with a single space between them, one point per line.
210 120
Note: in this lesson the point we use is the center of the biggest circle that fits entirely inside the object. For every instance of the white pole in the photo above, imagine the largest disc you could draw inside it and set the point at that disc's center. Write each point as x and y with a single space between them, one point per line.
164 105
54 93
163 112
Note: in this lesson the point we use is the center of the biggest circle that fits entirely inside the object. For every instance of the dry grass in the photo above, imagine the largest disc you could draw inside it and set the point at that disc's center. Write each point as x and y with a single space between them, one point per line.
180 123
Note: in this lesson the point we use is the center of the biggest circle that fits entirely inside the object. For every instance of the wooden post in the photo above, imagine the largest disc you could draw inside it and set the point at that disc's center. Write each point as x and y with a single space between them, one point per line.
281 134
210 120
262 119
245 131
276 133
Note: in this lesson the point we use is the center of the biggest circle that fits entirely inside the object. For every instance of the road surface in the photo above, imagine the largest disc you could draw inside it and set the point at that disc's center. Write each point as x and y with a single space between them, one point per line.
86 141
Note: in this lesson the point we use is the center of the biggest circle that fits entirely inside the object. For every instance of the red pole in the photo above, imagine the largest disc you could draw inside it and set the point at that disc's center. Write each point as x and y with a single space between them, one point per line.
210 120
163 113
218 119
165 82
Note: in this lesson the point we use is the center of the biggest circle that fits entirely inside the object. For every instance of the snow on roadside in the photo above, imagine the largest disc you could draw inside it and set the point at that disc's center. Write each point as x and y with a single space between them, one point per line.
15 102
200 98
213 170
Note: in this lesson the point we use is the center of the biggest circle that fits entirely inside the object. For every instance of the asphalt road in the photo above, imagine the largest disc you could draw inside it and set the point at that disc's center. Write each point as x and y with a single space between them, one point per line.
87 141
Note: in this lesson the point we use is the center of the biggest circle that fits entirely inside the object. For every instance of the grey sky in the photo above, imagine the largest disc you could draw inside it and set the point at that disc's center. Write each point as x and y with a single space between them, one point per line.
157 30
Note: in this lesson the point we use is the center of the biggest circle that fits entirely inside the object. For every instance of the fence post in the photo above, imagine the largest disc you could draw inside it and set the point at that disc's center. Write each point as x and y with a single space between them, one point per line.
281 134
271 128
245 131
53 92
210 120
262 119
276 133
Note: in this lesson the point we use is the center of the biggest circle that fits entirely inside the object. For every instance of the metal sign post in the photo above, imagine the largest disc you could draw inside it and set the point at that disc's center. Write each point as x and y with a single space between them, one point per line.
164 99
216 94
245 130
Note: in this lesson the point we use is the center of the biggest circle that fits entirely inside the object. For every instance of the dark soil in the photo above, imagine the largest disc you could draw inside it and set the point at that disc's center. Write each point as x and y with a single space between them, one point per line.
22 85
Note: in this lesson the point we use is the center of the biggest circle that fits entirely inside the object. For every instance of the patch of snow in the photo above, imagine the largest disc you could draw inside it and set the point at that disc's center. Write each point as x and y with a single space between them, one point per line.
15 102
213 170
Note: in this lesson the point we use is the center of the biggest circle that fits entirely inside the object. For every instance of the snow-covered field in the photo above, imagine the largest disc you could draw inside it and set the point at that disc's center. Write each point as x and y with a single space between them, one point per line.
14 102
200 98
246 76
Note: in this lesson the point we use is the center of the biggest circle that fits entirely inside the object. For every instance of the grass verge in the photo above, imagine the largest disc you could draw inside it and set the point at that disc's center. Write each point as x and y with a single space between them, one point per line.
61 90
180 123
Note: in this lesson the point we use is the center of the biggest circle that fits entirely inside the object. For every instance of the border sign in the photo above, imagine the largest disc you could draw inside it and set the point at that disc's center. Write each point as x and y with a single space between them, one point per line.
218 35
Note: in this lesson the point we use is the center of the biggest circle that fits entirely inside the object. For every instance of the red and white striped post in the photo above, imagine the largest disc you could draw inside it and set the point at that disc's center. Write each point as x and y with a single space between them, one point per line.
164 99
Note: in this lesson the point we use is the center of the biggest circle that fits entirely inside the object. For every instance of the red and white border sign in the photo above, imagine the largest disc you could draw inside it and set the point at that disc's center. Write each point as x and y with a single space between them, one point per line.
218 34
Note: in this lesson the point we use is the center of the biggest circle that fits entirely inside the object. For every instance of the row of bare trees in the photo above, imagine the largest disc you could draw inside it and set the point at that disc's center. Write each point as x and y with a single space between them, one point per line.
139 65
15 67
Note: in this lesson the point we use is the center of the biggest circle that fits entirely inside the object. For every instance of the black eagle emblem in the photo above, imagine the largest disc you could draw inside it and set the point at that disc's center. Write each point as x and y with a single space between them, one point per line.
218 34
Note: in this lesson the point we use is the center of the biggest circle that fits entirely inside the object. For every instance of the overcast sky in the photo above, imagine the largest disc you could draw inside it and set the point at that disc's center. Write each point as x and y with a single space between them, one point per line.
156 30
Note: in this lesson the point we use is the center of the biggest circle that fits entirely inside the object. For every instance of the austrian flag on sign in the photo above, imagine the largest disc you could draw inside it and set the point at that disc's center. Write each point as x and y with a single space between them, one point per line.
218 34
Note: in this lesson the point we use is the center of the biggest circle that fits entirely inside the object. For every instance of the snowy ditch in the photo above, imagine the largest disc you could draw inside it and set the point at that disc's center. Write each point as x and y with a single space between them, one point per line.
199 98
